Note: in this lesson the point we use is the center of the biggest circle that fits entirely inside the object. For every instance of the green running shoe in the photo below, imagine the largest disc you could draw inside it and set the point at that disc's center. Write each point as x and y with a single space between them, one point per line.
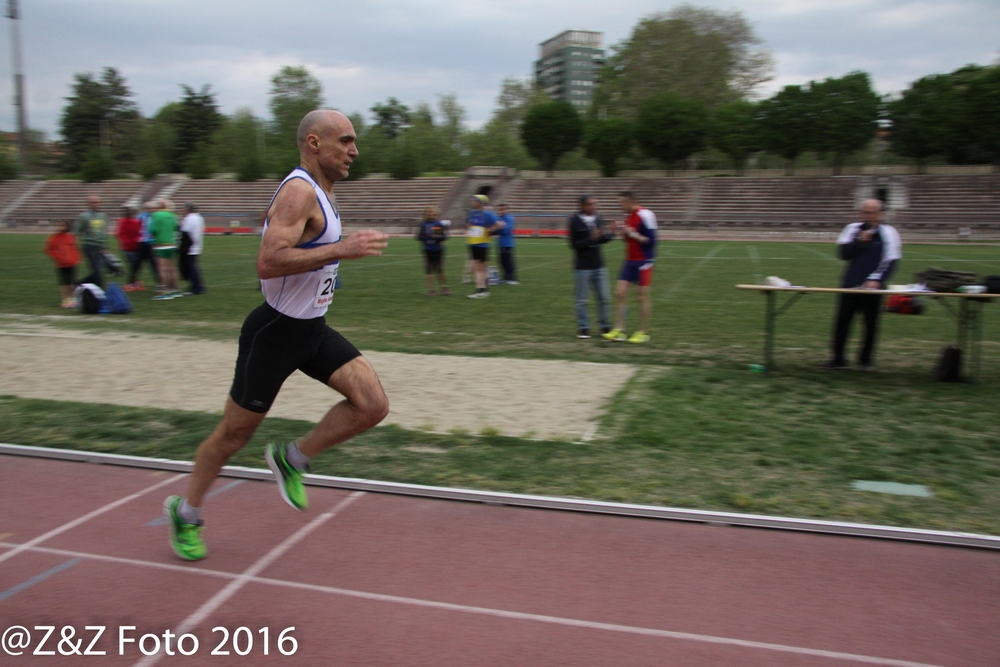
288 477
185 538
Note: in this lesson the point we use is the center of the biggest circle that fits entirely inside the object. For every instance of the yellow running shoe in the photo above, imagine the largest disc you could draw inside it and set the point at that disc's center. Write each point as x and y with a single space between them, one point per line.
616 335
639 337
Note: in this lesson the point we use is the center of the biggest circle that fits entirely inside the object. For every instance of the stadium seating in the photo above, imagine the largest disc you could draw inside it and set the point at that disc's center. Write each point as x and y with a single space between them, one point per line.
925 205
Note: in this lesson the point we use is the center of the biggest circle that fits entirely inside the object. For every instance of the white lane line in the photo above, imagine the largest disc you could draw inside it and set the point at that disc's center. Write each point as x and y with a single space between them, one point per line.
83 519
594 625
692 271
486 611
590 432
251 572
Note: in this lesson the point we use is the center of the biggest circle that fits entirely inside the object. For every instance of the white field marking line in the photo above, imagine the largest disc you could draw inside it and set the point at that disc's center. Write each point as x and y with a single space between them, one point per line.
755 260
692 271
484 611
251 573
817 252
86 517
567 259
590 432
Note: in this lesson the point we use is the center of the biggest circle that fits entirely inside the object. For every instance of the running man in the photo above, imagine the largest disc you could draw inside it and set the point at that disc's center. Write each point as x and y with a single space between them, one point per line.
639 232
297 263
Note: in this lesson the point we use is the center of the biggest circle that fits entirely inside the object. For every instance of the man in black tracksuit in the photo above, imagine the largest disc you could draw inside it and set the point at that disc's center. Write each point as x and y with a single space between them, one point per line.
872 250
586 234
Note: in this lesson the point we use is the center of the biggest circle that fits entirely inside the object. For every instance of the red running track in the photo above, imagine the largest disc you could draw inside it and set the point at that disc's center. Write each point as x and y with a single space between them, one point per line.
370 579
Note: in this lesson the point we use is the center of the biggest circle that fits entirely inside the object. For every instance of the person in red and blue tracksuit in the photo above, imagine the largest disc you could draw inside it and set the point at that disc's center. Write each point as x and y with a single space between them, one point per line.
639 232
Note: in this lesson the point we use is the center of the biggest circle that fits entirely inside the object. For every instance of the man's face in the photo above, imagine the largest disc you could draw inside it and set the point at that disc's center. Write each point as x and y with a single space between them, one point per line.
589 207
94 203
502 210
626 204
476 204
337 148
871 213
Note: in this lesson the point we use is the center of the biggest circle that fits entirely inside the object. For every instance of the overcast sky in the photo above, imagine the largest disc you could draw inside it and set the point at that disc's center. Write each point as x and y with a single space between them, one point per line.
415 50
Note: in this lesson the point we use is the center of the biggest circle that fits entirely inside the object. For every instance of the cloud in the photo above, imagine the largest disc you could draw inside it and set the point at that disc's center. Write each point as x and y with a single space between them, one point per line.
417 49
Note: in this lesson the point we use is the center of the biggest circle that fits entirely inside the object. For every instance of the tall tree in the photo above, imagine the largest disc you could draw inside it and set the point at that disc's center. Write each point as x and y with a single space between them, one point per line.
606 141
197 120
787 121
920 119
671 128
294 93
550 130
846 111
391 117
99 115
696 53
735 130
240 145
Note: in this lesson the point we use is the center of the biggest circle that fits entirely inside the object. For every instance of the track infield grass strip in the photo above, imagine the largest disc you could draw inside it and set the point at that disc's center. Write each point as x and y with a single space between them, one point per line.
702 457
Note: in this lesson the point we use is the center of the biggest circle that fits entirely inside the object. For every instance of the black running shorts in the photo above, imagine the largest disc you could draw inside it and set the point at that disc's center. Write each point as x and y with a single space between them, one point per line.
273 346
480 253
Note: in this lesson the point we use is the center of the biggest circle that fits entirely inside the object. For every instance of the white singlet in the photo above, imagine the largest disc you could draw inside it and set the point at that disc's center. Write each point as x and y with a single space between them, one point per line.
306 295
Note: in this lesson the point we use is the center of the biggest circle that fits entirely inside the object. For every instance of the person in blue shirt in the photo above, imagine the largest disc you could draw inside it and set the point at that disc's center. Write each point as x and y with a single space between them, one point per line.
504 231
432 235
477 237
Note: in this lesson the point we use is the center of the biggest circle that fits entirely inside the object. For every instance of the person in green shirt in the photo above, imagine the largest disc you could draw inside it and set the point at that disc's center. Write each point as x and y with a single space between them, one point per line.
91 230
163 231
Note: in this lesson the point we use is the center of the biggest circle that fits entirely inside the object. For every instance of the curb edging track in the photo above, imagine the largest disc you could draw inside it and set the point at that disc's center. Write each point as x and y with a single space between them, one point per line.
537 502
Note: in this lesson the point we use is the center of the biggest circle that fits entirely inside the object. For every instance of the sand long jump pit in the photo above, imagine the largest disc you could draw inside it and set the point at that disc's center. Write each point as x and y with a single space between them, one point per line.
516 397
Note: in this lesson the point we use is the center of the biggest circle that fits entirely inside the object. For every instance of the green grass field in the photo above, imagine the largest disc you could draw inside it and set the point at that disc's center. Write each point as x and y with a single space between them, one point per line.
694 428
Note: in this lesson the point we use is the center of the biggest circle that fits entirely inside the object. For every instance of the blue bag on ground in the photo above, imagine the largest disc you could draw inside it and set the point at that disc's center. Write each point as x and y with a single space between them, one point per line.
117 302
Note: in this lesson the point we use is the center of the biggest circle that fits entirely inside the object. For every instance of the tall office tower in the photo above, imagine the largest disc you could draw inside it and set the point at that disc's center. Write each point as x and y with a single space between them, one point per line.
568 66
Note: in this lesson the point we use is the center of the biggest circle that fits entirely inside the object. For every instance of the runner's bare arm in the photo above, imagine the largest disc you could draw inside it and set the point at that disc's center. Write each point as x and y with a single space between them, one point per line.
289 215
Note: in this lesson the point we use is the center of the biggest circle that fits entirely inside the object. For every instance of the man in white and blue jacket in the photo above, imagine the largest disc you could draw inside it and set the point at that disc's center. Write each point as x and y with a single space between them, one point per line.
872 251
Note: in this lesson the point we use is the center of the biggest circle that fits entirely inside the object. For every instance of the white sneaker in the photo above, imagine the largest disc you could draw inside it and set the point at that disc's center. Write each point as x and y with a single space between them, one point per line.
479 295
513 282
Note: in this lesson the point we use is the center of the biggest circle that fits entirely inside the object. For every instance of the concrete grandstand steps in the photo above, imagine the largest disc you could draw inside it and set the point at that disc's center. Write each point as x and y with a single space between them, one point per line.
668 198
15 193
950 202
64 200
374 200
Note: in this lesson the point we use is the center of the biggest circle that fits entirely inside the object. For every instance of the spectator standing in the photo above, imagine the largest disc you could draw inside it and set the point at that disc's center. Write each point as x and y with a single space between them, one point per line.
639 232
163 230
872 251
129 233
477 237
192 239
504 231
432 235
91 231
586 236
61 247
146 248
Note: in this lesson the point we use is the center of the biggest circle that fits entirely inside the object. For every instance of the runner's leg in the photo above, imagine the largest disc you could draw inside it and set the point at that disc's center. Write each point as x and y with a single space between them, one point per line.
230 436
365 405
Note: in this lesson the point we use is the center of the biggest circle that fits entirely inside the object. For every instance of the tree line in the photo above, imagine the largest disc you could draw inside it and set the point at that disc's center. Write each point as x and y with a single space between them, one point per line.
678 90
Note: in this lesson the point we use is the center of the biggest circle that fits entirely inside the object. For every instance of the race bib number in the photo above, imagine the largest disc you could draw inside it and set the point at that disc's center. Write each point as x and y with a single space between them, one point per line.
477 233
327 283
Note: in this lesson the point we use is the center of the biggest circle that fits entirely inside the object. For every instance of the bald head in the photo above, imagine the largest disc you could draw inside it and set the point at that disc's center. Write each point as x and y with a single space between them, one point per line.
871 212
319 122
872 205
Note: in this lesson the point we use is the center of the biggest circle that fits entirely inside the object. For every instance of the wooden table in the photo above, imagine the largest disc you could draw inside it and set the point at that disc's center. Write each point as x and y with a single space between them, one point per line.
968 316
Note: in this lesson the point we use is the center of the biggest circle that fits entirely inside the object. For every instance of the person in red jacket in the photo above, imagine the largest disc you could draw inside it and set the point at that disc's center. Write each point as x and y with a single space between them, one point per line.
61 247
129 233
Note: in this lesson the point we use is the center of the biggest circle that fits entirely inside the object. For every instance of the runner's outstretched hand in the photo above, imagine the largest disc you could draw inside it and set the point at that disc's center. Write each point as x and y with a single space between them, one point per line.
363 243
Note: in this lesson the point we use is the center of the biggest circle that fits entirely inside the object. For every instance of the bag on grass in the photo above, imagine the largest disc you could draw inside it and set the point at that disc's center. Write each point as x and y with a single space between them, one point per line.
992 284
904 304
949 367
118 302
945 280
90 297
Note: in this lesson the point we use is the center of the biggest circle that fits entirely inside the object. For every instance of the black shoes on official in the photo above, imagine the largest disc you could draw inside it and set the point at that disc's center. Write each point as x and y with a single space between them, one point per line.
583 333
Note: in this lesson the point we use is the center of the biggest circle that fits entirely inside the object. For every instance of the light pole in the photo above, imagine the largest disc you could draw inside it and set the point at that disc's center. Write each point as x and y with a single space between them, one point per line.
14 14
